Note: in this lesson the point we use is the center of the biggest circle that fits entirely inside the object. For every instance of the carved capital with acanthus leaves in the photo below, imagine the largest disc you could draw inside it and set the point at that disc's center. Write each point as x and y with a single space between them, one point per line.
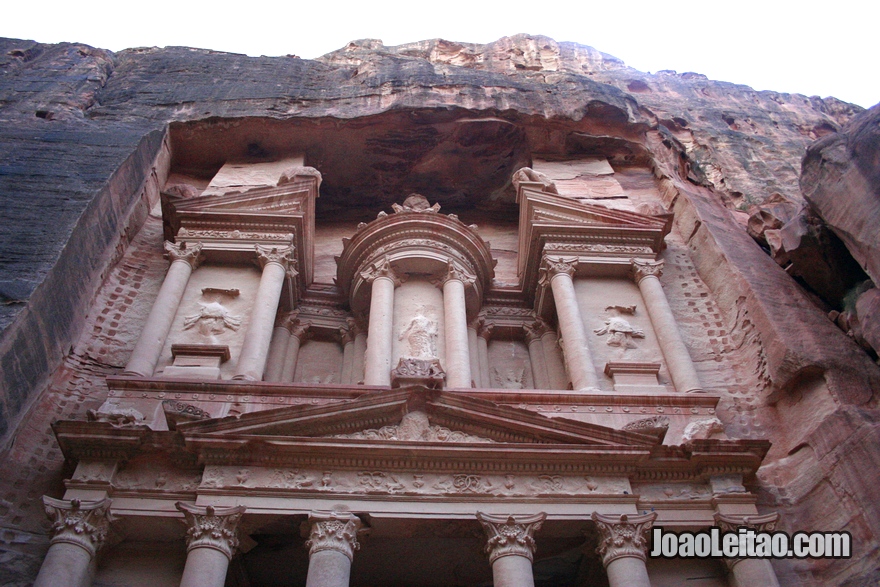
510 536
764 523
83 523
455 272
348 332
278 255
535 330
553 266
334 531
190 254
210 527
642 269
623 536
484 329
380 269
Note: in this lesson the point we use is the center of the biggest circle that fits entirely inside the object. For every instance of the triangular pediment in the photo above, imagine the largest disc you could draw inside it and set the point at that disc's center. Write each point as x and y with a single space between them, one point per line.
397 416
287 199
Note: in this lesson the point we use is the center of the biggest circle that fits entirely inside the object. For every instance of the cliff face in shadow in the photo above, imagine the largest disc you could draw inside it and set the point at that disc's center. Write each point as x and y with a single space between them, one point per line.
81 128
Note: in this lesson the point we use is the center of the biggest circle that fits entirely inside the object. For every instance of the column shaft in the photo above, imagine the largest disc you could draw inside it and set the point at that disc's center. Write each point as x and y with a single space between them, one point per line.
328 568
483 354
556 376
474 355
377 368
255 348
205 567
512 571
65 564
750 572
347 360
678 359
577 354
152 340
277 354
357 363
458 361
629 572
298 333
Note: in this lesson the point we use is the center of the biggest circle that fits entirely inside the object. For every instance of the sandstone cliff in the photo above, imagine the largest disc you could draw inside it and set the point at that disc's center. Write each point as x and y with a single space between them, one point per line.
80 128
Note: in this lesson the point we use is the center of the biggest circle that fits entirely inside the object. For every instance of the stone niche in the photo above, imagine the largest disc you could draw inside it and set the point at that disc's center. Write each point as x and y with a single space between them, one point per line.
319 361
419 329
509 364
214 311
620 334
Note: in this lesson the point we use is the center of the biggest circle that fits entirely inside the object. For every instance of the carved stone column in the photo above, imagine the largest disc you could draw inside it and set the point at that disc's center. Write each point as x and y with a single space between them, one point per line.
255 348
483 335
623 547
333 540
377 367
556 375
346 336
299 333
458 360
145 355
536 354
678 360
745 572
511 547
474 353
211 540
278 350
558 272
360 350
79 529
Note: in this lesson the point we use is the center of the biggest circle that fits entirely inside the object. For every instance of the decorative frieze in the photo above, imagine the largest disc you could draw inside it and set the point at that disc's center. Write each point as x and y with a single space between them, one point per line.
510 536
384 482
210 527
82 523
623 536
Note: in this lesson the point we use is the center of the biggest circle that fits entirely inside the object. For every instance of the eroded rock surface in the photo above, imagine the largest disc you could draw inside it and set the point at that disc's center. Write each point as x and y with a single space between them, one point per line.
81 131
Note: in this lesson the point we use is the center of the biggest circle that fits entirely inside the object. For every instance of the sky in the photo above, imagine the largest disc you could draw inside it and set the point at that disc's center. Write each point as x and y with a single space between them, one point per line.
805 46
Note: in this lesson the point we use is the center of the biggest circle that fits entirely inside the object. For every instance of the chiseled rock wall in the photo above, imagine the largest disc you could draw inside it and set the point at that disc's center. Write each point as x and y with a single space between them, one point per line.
82 130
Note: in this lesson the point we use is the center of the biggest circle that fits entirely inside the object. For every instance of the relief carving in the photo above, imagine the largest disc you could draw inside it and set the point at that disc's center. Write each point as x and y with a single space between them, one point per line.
529 175
416 203
212 319
415 427
623 536
210 527
653 426
702 429
620 330
510 536
512 378
111 413
421 334
83 523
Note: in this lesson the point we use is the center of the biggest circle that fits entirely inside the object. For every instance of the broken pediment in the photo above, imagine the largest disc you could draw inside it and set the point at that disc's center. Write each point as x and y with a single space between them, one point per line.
415 414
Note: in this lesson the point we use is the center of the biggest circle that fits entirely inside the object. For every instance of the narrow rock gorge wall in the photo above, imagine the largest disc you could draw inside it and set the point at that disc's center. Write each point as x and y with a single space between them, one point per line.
85 137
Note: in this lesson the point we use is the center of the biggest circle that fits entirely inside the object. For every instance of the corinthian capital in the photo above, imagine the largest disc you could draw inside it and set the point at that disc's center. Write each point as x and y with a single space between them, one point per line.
765 523
191 254
642 269
456 272
510 536
535 330
381 268
280 255
209 527
334 531
83 523
551 266
623 536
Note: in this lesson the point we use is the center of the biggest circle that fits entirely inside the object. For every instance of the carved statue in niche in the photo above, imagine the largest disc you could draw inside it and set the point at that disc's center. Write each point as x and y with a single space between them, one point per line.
620 330
421 335
213 319
512 378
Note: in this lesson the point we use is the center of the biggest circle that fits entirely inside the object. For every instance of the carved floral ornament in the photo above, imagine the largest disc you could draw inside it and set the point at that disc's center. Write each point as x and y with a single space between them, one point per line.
334 531
642 269
210 527
380 269
552 266
280 255
623 536
83 523
510 536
